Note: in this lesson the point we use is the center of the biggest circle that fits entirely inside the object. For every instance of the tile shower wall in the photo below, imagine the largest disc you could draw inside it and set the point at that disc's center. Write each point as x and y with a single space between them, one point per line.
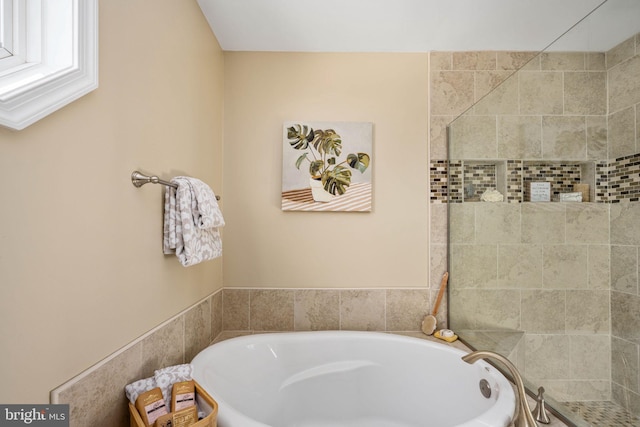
623 66
560 263
542 269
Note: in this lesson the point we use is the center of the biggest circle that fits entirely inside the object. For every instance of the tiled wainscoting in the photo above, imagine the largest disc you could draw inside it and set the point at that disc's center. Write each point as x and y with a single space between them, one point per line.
97 398
326 309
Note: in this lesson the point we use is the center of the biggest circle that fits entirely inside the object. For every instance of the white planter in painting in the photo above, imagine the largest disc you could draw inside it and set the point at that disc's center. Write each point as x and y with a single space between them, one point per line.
318 192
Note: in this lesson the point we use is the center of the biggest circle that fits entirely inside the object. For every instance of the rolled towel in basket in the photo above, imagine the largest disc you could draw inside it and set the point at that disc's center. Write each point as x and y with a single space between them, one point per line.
136 388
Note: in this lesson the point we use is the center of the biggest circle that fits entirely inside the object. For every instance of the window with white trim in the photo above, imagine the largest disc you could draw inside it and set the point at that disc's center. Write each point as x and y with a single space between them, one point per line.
48 57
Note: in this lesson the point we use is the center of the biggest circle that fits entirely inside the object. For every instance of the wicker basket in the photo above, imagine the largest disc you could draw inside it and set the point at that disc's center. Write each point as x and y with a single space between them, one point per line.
205 404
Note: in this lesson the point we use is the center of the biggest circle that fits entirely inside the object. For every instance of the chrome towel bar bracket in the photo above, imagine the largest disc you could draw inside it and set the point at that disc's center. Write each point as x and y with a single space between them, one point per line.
139 179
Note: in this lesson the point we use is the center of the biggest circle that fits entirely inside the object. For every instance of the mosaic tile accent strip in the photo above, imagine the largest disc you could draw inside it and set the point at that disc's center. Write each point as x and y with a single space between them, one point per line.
603 414
514 181
438 181
615 180
456 181
602 182
624 179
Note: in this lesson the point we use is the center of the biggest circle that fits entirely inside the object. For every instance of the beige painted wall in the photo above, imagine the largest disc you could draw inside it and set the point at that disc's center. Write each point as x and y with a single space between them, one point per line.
81 267
266 247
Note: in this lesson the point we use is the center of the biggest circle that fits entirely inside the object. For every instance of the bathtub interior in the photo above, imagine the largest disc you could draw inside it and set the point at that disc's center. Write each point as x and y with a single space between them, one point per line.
343 379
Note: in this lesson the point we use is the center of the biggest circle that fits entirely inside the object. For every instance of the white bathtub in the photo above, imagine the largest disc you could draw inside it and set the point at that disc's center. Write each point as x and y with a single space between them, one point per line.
349 379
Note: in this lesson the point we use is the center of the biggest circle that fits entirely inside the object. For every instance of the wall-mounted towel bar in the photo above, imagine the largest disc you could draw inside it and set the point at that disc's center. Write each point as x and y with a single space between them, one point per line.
139 179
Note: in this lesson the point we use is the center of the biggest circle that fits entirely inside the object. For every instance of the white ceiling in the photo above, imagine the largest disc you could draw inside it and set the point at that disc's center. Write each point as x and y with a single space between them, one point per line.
418 25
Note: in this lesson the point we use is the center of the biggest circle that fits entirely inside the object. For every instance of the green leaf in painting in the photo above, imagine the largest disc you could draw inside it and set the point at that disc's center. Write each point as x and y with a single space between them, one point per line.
358 161
315 167
300 160
300 136
337 180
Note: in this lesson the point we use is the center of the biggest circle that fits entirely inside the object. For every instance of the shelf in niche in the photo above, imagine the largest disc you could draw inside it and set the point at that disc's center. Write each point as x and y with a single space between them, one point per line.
562 174
470 178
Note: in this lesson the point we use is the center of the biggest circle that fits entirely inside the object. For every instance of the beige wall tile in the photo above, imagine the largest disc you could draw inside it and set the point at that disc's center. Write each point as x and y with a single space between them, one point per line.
272 309
595 61
543 311
497 309
624 84
562 61
405 309
625 364
197 329
463 220
164 347
565 266
362 310
543 222
520 266
451 92
578 390
588 311
564 138
587 223
597 138
496 93
625 218
585 92
216 315
547 356
599 267
590 357
540 92
624 269
438 223
620 52
440 61
437 263
473 137
463 306
625 316
316 310
98 400
235 313
474 266
621 133
513 60
520 137
474 60
497 223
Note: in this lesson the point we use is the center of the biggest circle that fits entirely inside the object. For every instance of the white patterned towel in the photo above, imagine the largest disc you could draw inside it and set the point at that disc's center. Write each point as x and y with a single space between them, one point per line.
191 221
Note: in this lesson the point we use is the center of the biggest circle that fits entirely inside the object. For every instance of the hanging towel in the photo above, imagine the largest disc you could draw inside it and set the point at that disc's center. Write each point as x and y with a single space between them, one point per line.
191 221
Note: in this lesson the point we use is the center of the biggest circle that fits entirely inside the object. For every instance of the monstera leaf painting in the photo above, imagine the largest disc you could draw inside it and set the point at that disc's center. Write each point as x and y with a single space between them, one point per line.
327 166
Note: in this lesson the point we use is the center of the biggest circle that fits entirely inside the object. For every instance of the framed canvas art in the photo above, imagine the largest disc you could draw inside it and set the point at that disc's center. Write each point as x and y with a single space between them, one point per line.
326 166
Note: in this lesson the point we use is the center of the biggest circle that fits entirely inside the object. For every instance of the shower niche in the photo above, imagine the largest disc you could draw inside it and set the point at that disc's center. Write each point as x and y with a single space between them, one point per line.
512 178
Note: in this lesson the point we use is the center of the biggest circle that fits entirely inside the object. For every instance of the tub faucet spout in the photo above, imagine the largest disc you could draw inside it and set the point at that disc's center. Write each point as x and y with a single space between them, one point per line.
522 416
